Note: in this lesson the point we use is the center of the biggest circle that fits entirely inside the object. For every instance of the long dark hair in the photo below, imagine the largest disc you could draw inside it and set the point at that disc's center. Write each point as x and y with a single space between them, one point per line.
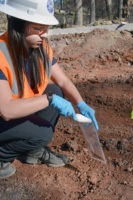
23 56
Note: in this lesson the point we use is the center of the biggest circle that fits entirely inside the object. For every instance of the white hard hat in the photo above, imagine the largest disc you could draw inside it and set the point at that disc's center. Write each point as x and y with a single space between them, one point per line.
37 11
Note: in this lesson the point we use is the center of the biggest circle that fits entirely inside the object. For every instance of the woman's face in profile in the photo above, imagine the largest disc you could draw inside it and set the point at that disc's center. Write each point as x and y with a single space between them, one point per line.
35 33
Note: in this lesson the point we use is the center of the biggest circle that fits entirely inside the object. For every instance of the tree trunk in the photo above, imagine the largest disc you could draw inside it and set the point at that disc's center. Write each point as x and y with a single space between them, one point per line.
61 4
120 8
78 12
92 12
108 8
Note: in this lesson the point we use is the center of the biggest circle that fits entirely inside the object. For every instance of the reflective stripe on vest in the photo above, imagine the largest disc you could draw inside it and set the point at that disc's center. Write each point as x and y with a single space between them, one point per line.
5 51
48 67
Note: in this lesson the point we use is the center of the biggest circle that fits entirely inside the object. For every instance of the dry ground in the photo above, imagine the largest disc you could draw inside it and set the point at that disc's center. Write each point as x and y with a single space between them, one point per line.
101 65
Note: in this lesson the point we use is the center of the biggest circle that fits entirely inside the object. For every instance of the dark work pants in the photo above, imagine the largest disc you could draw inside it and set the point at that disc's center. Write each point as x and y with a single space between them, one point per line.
20 136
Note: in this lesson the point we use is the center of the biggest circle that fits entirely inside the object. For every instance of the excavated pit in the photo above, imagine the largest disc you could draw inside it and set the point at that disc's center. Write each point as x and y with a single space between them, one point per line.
100 63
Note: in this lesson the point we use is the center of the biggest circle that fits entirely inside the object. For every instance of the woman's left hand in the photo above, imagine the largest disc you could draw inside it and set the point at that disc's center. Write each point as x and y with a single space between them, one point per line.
87 111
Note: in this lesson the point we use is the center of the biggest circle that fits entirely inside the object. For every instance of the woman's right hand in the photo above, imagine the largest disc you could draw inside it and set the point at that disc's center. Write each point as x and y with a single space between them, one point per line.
63 106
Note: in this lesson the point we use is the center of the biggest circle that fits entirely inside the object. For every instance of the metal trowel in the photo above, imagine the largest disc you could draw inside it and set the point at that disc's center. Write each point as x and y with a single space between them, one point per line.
91 137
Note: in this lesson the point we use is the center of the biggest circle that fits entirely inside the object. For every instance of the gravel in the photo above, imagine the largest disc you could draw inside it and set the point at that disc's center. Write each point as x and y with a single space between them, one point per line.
85 29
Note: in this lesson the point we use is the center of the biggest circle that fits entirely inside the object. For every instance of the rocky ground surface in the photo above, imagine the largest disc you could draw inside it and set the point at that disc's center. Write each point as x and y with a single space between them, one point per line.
122 26
100 63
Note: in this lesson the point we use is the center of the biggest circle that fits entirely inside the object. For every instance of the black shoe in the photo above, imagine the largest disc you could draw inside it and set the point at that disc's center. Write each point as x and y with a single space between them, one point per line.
46 156
6 169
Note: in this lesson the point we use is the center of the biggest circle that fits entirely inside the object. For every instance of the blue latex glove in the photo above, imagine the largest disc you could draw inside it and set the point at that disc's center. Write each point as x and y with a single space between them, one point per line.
64 107
87 111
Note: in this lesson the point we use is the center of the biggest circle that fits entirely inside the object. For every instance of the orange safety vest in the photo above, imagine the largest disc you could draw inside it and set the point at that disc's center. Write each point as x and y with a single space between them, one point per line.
6 66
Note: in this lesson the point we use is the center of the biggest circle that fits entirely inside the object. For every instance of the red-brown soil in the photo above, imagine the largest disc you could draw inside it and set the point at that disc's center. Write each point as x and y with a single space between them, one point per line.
100 63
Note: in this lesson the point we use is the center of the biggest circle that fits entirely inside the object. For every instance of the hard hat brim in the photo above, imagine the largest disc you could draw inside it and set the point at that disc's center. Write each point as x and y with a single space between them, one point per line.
49 20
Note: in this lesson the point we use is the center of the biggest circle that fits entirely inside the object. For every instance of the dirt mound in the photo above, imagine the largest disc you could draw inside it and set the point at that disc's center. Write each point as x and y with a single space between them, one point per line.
101 65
